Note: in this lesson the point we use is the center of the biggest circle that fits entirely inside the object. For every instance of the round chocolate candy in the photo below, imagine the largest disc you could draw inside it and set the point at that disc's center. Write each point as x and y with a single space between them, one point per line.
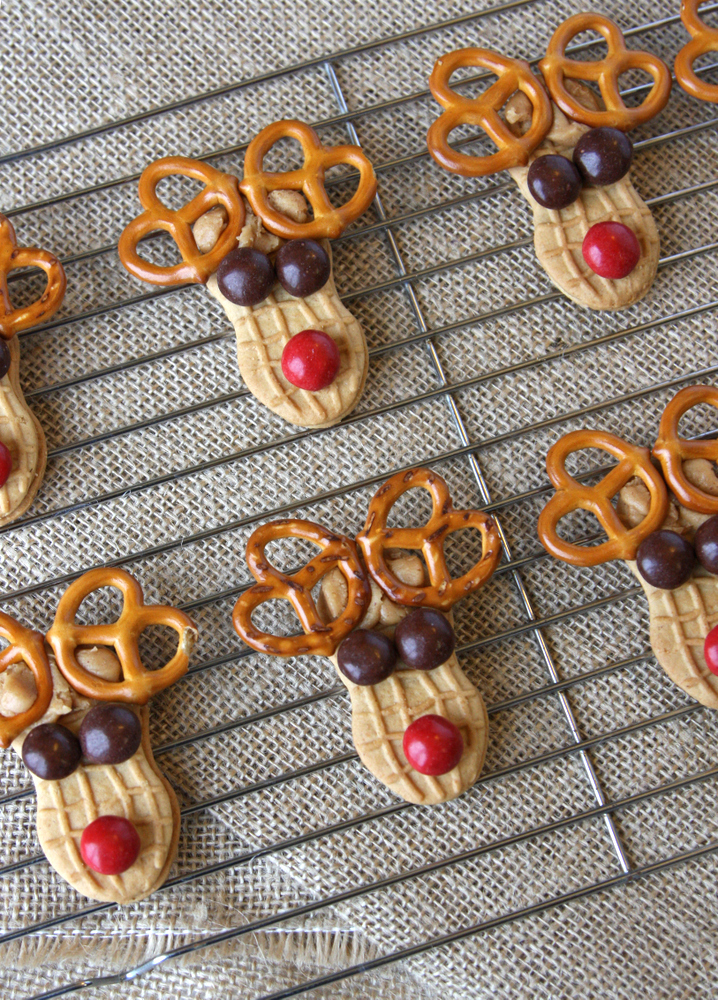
424 639
665 559
366 657
51 751
706 544
4 358
553 181
603 155
245 276
110 734
302 267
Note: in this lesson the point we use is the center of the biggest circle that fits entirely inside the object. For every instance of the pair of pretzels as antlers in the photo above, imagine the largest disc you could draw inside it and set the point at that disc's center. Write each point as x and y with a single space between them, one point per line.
256 185
137 684
338 551
670 450
515 74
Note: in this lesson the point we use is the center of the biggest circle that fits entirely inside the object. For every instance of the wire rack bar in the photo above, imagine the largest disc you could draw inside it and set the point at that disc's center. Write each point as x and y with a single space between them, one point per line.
317 905
334 120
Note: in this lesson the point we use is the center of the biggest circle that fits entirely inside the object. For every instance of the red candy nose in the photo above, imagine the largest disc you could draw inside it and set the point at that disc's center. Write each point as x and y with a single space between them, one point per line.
710 650
5 464
110 845
310 360
611 249
433 745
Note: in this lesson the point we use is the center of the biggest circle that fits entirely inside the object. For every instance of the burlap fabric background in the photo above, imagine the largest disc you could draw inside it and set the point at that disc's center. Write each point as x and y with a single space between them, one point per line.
158 457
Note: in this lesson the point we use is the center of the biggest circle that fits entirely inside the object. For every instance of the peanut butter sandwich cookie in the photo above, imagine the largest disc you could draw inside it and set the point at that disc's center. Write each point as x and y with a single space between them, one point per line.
664 525
23 452
267 260
383 617
567 149
107 818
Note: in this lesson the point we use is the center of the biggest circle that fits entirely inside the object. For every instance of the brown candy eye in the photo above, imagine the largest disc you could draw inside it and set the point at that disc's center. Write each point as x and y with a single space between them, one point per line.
245 276
603 155
366 657
51 751
302 266
706 544
424 639
554 181
665 559
110 734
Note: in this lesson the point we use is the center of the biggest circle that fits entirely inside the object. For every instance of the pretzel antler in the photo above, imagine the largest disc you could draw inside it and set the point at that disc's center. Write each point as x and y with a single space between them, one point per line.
557 67
137 684
376 538
513 75
672 451
328 221
703 40
27 647
219 189
11 257
335 551
572 495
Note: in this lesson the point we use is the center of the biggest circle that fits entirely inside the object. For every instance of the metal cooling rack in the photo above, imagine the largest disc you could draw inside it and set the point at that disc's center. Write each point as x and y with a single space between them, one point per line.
513 568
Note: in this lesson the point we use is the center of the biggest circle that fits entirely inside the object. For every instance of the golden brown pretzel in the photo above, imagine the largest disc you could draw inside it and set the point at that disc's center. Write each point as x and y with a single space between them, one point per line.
26 647
137 684
572 495
219 189
11 257
376 538
336 550
556 66
672 450
328 221
703 39
513 75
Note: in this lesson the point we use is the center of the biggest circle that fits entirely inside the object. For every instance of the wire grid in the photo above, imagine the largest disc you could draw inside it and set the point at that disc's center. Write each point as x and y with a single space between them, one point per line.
297 873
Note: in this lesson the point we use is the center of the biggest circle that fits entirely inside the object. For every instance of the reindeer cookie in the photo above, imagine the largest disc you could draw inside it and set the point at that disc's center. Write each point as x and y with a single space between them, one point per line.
107 818
568 152
664 525
268 263
383 617
23 452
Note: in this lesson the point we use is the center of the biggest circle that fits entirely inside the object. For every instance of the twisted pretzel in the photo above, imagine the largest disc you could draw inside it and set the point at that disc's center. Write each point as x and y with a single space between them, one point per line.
321 638
572 495
26 647
703 39
137 684
513 75
219 189
11 257
555 67
376 538
672 451
328 221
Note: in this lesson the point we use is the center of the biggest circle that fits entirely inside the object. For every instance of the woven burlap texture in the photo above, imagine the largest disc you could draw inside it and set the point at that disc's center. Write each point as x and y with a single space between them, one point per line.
158 454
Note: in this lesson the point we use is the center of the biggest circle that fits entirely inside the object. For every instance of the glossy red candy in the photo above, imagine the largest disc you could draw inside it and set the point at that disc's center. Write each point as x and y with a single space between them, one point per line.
710 650
433 745
110 845
310 360
5 464
611 249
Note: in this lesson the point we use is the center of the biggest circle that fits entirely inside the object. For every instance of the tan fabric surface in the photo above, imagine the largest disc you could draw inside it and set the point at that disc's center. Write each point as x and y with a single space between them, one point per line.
106 365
